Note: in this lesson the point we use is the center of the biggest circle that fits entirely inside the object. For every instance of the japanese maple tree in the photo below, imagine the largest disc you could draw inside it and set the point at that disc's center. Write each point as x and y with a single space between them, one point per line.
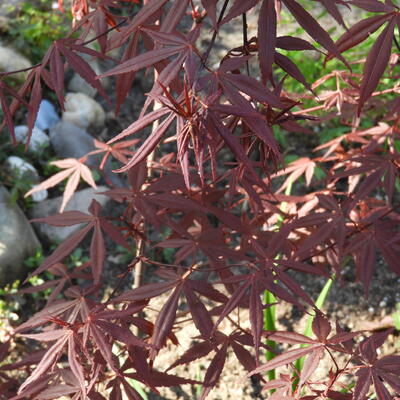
218 194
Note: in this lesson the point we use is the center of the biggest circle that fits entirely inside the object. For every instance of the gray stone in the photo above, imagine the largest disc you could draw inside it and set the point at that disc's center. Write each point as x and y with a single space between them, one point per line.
40 195
47 116
70 141
80 201
21 169
10 60
78 84
38 141
81 110
17 240
4 24
10 7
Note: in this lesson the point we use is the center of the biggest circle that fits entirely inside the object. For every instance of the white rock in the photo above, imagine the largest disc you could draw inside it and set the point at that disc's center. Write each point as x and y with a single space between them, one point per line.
38 140
81 110
40 195
47 116
10 60
21 167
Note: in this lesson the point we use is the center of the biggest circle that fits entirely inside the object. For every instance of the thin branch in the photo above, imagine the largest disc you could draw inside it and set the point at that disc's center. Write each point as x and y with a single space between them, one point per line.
333 359
123 276
214 36
245 41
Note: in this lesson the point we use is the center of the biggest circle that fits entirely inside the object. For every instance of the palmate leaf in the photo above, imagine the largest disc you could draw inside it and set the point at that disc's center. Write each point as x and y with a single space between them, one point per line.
332 8
296 169
65 278
124 81
376 62
201 316
214 370
56 72
145 13
314 351
180 47
54 79
48 360
376 371
165 321
360 32
376 168
282 386
266 37
149 144
286 358
291 68
74 170
55 309
211 7
366 244
97 248
293 43
118 151
313 28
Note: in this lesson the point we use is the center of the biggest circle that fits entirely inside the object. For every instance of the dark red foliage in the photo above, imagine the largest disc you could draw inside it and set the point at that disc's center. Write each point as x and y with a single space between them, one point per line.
219 196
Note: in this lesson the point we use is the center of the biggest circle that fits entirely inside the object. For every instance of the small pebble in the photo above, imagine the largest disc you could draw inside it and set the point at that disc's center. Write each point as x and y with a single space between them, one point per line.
47 116
38 140
20 167
39 195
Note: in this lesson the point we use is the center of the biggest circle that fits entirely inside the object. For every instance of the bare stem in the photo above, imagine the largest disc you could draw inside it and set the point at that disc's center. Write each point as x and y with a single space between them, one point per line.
214 36
137 280
245 40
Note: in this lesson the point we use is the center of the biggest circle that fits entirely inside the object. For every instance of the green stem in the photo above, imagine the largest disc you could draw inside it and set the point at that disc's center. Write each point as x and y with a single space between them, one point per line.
269 325
269 298
319 303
